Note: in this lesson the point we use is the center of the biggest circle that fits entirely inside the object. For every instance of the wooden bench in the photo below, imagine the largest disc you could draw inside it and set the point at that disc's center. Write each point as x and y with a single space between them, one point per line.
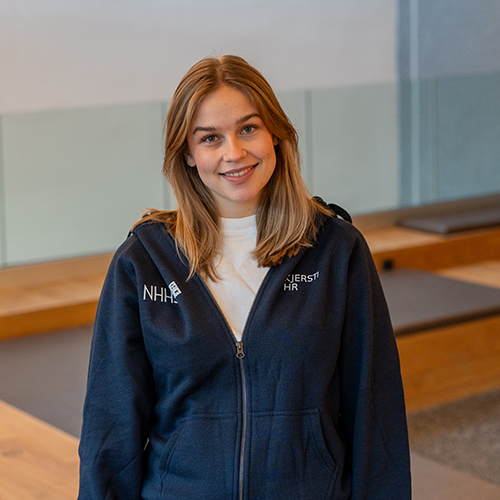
421 300
484 273
447 330
50 296
436 236
36 459
461 358
398 247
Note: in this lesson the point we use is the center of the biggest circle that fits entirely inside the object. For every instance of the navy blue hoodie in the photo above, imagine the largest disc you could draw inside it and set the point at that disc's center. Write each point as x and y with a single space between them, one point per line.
309 406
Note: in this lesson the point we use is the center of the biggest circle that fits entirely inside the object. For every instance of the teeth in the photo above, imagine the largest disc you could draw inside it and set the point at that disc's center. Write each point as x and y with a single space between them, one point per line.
239 174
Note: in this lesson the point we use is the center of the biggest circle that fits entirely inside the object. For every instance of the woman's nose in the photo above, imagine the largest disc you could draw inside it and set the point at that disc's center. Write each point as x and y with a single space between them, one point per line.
234 150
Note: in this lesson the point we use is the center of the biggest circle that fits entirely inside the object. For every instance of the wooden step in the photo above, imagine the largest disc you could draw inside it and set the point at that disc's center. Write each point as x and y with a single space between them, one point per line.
449 363
36 459
407 248
483 273
455 361
50 296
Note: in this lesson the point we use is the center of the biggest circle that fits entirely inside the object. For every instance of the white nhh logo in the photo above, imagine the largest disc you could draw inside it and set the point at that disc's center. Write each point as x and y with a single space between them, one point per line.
161 294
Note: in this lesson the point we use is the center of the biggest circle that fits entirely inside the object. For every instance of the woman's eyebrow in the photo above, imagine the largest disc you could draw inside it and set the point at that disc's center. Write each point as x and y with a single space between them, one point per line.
203 129
214 129
247 117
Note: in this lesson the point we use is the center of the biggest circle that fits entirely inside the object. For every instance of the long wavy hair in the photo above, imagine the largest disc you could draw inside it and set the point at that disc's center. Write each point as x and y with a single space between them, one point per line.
286 214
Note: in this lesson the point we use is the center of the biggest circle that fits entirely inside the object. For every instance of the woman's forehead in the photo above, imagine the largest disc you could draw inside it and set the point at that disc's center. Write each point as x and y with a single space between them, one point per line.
225 105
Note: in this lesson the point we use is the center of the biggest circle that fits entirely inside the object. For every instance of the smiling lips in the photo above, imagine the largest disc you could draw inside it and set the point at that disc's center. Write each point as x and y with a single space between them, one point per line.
239 173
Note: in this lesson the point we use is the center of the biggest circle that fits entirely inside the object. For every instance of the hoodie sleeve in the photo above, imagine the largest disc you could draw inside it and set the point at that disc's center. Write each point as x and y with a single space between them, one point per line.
120 393
372 400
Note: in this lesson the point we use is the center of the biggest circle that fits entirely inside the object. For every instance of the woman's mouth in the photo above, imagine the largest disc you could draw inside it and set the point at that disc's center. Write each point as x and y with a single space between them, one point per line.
239 173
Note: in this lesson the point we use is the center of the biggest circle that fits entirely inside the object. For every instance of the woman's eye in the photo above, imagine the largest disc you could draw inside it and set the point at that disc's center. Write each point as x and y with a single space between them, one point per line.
247 129
209 138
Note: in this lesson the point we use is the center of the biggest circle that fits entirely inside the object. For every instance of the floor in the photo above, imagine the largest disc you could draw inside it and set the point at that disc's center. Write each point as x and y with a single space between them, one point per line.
45 375
464 434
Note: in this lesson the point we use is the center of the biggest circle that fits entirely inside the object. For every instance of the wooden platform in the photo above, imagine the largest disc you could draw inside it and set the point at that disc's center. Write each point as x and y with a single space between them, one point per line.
49 296
44 297
36 459
401 247
423 300
483 273
448 363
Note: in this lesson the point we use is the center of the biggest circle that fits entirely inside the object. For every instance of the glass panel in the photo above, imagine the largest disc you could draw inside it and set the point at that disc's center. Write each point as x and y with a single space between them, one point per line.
468 136
75 181
449 138
354 137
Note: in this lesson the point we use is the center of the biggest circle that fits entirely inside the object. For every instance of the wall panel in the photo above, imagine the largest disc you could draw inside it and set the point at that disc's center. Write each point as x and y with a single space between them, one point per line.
76 180
468 111
355 147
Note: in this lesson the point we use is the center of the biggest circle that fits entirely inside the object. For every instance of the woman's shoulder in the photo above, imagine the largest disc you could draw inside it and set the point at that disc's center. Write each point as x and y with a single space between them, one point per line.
151 227
328 214
339 225
165 218
337 211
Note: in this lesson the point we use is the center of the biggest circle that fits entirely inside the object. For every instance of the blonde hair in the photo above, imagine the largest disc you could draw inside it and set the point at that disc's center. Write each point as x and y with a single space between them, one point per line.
286 214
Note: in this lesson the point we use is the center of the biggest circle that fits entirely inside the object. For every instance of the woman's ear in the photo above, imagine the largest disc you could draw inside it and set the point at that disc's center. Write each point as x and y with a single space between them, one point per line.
275 140
189 159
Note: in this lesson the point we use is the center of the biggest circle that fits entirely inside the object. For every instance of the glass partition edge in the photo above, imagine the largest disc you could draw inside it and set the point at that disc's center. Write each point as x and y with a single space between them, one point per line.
3 222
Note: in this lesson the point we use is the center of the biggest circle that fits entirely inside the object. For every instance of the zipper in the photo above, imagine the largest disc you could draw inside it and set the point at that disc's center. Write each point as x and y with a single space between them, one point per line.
240 354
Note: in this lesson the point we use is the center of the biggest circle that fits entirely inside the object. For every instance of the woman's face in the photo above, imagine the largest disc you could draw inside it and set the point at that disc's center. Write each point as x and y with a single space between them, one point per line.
232 150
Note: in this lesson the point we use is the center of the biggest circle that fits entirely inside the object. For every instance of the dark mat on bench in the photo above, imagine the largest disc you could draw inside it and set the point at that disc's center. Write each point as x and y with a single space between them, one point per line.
420 300
452 223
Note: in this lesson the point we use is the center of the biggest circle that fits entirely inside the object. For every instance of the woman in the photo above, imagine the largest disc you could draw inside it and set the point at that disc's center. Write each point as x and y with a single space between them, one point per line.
242 345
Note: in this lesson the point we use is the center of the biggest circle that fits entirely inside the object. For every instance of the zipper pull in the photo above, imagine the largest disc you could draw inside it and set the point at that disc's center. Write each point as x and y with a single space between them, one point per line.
240 353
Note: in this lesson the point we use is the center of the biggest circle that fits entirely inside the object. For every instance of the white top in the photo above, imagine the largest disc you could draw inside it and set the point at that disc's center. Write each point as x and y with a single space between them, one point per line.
238 270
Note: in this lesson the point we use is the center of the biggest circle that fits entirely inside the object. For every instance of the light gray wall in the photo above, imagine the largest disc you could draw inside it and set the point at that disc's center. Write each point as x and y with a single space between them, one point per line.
73 53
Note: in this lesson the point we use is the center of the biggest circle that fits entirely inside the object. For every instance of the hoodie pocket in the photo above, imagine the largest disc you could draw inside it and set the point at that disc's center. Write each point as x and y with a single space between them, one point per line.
199 459
289 458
